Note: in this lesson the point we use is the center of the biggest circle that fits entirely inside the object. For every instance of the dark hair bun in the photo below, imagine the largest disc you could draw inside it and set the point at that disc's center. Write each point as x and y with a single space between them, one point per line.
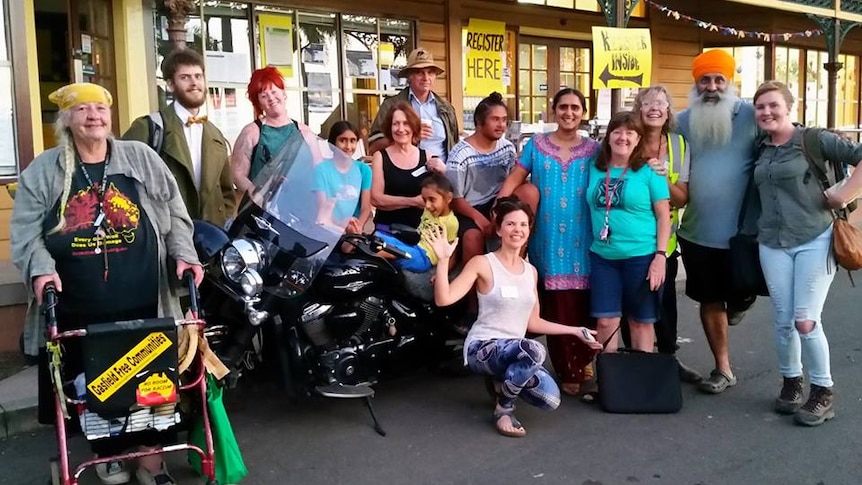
495 97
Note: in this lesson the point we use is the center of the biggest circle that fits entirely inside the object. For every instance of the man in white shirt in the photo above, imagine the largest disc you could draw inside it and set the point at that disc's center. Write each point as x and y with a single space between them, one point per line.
194 150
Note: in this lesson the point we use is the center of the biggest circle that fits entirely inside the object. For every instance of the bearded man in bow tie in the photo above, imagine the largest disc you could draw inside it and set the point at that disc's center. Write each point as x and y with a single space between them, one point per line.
193 148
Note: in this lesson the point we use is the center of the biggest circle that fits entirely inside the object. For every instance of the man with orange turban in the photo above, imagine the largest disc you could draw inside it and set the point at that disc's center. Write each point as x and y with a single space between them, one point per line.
721 130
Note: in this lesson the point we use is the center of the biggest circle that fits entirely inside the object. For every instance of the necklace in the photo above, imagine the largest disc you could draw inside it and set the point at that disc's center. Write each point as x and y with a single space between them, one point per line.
100 235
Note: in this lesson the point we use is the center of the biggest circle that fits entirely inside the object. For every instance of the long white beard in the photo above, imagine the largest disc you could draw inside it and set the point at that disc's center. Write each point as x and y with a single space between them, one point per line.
711 124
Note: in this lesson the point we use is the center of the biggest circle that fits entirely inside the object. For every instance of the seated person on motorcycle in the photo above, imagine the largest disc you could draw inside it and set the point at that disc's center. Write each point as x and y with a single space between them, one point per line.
437 194
99 218
496 346
343 185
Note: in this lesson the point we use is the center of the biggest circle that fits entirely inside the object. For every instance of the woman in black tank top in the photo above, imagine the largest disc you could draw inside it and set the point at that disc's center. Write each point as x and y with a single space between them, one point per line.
395 185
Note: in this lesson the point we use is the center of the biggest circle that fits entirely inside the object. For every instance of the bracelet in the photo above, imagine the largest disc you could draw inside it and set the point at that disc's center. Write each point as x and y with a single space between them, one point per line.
662 253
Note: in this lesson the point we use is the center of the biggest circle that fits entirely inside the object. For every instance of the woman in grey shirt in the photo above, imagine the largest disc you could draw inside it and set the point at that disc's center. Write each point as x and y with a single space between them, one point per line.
795 234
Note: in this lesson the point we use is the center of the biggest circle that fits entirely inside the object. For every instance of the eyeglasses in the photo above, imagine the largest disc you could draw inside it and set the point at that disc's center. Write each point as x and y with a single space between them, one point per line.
654 104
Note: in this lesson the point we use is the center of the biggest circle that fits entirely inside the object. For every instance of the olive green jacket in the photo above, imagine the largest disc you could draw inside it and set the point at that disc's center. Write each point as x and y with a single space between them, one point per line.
40 185
215 201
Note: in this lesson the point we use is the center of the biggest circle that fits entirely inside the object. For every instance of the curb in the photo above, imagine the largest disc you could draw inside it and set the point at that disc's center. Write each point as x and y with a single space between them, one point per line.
19 403
21 418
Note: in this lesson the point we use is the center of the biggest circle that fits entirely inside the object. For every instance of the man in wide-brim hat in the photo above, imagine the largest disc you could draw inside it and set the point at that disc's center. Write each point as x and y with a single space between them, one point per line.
440 123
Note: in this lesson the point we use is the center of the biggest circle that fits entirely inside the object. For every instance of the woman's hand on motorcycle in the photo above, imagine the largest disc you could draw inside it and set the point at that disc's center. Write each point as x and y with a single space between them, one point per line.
39 283
436 237
196 269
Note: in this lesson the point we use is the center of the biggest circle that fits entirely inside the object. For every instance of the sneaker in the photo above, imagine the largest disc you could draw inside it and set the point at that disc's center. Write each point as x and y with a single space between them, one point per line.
790 397
818 409
161 478
113 473
688 375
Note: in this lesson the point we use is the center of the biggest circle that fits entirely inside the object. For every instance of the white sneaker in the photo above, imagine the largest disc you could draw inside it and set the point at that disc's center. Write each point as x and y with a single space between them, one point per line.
161 478
113 473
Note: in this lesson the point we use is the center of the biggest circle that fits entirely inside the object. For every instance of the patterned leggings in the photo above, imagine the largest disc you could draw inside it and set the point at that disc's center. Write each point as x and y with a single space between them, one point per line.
517 364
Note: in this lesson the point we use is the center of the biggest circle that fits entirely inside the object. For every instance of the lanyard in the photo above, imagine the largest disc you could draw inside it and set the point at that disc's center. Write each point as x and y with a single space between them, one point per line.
100 235
609 195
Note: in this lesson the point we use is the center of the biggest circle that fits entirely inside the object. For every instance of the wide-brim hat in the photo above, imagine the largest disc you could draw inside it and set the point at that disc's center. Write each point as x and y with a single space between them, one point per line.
419 59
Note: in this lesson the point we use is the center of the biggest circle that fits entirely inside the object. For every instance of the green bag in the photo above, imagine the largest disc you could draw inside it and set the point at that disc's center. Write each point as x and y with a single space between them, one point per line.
229 465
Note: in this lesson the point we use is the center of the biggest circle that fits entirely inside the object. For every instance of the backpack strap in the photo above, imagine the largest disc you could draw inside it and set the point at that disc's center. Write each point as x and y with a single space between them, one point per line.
157 131
814 155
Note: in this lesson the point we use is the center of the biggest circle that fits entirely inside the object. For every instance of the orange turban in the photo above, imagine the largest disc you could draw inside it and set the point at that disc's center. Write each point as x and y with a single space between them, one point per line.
714 61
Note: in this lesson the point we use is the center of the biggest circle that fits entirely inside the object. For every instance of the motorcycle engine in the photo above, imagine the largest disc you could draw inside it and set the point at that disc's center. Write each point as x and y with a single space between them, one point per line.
354 322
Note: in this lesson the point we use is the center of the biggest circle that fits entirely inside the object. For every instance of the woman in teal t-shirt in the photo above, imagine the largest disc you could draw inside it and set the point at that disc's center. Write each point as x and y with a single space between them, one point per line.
630 216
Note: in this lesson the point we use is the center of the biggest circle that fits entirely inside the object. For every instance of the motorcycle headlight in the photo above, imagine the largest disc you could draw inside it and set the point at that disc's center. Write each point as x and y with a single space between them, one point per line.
251 283
243 254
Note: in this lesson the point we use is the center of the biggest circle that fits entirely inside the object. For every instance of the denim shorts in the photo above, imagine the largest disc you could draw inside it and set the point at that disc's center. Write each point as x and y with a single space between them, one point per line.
419 262
620 284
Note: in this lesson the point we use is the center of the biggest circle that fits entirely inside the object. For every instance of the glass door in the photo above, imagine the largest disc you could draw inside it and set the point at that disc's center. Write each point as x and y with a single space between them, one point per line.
544 67
93 45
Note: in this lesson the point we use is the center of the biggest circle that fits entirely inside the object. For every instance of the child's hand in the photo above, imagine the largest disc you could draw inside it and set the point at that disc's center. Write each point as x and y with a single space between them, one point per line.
435 236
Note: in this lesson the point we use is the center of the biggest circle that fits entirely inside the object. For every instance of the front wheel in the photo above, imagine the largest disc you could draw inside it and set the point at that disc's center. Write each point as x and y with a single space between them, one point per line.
54 464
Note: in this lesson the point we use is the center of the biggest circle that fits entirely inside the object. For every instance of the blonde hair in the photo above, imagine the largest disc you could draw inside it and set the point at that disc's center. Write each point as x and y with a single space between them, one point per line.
652 91
65 141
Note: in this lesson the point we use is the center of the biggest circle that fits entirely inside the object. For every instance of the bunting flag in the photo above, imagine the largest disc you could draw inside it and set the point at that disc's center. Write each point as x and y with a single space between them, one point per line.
725 30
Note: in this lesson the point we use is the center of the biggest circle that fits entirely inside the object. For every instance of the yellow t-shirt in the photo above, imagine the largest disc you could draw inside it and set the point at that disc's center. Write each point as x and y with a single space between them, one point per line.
449 221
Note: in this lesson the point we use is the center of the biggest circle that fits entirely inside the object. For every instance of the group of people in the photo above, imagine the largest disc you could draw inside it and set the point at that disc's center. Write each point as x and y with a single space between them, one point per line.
598 221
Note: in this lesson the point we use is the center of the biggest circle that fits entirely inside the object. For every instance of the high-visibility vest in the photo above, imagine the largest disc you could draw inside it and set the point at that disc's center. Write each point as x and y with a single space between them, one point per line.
676 158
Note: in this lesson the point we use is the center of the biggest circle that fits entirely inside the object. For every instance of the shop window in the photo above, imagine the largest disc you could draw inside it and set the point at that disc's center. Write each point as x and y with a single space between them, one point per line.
8 147
787 70
585 5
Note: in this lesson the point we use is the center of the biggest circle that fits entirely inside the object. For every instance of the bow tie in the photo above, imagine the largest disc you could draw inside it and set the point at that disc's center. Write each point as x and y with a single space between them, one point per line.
196 119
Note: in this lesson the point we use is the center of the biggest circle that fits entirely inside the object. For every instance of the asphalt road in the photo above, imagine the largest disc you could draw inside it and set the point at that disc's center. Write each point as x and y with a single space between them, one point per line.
439 428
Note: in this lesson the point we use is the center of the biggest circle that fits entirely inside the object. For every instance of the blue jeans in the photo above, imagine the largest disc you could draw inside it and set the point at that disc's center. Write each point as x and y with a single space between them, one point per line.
798 280
419 262
517 364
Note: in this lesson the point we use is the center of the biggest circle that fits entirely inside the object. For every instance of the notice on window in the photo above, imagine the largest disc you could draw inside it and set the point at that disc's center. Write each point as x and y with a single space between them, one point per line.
485 57
276 43
622 58
227 67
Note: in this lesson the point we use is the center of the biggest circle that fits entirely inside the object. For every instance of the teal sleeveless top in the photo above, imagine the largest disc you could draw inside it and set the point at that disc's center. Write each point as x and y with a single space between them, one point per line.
271 141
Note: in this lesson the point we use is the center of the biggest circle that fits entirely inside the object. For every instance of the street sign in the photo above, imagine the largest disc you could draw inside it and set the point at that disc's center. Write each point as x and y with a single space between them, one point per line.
622 58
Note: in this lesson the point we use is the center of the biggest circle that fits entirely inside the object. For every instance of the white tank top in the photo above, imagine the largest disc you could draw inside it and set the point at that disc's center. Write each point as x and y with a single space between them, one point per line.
505 310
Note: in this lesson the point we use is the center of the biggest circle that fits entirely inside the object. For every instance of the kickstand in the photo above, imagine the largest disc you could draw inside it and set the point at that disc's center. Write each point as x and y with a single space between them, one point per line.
377 427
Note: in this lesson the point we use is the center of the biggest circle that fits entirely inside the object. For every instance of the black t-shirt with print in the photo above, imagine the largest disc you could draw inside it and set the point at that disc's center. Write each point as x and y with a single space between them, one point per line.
129 247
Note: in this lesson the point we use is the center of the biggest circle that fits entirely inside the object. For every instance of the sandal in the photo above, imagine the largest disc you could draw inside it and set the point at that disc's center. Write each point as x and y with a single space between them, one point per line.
517 432
589 392
571 388
717 382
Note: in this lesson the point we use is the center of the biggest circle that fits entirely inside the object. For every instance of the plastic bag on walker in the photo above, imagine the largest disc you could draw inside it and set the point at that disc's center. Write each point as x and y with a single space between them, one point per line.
229 465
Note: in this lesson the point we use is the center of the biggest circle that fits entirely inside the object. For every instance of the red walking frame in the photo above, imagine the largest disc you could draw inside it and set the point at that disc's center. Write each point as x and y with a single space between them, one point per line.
60 470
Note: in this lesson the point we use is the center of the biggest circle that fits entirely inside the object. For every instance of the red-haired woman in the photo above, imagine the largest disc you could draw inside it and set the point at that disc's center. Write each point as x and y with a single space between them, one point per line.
260 140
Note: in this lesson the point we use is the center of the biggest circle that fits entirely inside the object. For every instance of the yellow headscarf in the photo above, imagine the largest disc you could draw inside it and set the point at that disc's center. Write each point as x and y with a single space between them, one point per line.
78 93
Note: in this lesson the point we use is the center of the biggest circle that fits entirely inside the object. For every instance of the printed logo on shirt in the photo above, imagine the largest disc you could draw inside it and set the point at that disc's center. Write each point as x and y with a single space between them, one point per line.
616 186
122 217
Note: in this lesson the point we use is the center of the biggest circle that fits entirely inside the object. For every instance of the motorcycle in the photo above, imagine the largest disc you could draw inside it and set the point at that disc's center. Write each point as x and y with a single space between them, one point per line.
322 311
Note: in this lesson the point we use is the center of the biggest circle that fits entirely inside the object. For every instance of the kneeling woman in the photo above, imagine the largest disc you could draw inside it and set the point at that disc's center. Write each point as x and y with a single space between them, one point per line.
508 308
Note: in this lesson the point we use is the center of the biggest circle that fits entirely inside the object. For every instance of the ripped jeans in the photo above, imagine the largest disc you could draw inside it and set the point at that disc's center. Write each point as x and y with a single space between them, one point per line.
798 279
516 363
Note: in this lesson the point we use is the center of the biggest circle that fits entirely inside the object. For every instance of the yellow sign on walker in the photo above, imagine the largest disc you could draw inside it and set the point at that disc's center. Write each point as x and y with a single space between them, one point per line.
622 58
135 360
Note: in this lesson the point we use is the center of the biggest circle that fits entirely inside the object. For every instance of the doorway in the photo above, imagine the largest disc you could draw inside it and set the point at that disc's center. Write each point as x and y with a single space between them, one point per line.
544 67
74 43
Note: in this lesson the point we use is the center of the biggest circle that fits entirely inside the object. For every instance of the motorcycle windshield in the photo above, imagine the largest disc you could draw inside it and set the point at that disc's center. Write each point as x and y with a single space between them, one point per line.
303 200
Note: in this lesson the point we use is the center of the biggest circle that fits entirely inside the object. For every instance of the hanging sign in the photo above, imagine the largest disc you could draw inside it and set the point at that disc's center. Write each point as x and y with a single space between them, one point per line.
622 58
486 57
276 42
